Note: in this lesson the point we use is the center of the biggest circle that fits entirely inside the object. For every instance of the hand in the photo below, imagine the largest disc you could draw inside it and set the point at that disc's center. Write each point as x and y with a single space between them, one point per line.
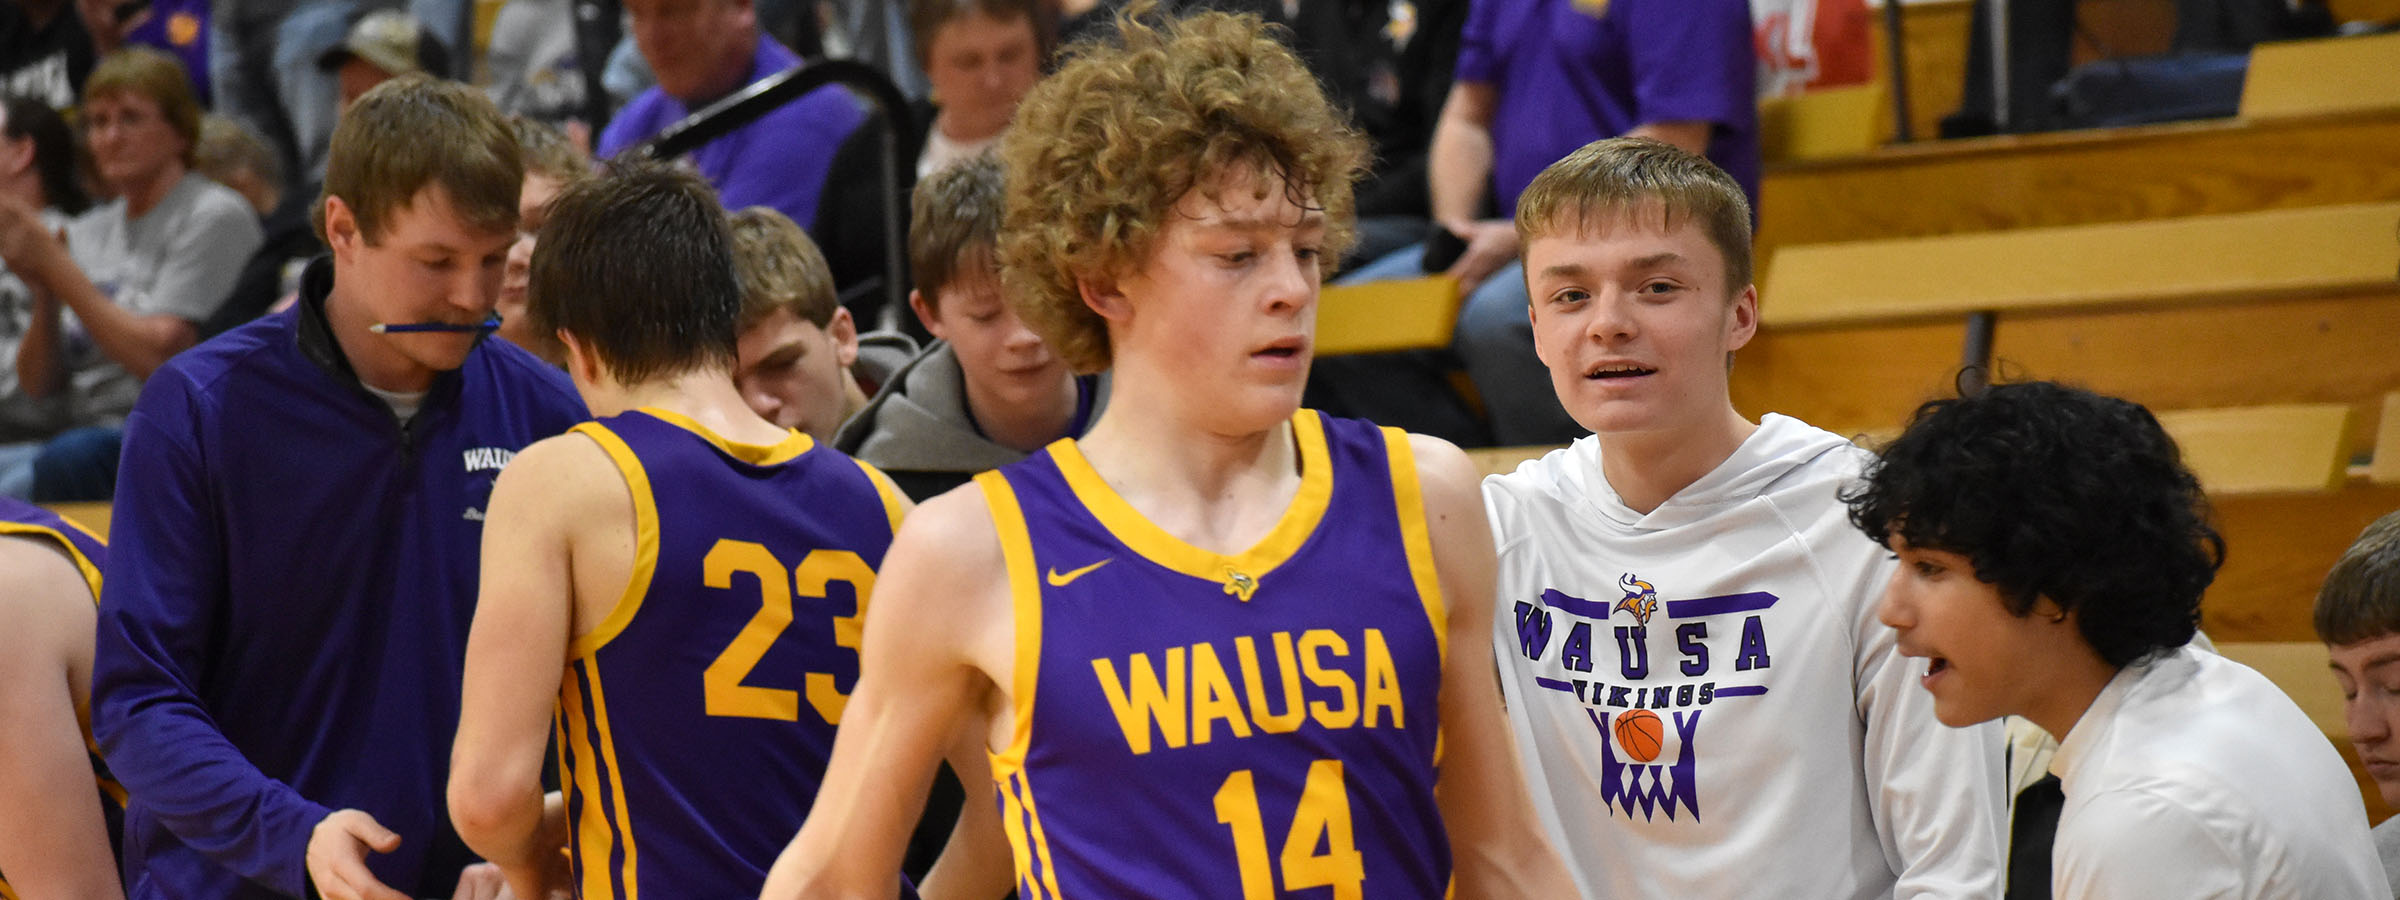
25 244
100 19
1490 245
337 857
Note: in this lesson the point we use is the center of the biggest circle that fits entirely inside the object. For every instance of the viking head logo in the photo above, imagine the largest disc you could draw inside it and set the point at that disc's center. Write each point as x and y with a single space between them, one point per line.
1640 599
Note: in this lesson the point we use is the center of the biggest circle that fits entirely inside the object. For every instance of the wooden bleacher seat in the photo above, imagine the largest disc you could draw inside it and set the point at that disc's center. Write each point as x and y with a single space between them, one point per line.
2259 449
1491 461
1383 316
2314 251
2326 75
89 515
2385 469
1822 124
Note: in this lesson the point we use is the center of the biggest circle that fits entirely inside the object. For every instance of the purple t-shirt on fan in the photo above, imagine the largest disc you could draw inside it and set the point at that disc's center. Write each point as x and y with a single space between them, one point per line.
779 161
1569 72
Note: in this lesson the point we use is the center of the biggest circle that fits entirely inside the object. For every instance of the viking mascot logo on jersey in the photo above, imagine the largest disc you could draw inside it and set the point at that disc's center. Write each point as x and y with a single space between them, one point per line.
1648 727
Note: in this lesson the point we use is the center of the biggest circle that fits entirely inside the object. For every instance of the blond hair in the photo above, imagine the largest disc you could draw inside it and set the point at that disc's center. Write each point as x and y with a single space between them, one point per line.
1102 152
144 72
1620 176
780 268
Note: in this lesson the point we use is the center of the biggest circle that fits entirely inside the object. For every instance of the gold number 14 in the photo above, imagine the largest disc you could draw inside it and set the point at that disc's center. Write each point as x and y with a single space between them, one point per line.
1323 818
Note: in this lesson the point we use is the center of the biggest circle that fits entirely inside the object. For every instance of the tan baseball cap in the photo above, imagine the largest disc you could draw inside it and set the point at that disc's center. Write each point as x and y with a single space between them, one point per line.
390 40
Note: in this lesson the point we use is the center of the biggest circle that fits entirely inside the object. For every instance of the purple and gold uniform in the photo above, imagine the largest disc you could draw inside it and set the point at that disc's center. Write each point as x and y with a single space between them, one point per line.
1191 724
695 720
25 520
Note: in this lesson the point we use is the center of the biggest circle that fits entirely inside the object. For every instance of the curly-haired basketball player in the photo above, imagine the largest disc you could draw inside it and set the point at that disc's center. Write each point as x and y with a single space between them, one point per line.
2053 550
1221 646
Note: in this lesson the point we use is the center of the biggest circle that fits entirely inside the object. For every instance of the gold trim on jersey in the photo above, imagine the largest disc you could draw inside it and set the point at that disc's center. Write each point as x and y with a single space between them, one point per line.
1025 599
589 744
1029 845
83 565
1416 536
645 541
884 489
1239 573
793 444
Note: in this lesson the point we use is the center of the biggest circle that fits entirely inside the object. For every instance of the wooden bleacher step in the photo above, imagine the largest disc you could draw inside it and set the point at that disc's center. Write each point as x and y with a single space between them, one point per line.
2261 449
2324 75
1383 316
2318 251
2385 469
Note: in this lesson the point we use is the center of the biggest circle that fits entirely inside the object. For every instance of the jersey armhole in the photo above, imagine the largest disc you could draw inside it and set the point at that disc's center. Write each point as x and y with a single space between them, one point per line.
83 564
885 490
1025 600
1416 538
645 541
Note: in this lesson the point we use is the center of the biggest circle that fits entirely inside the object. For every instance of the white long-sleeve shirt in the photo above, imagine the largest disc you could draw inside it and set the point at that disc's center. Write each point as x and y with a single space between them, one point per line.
2192 776
1797 755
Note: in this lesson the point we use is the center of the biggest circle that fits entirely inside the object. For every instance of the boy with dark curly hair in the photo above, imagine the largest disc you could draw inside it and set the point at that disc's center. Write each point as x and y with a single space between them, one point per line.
2053 550
1220 643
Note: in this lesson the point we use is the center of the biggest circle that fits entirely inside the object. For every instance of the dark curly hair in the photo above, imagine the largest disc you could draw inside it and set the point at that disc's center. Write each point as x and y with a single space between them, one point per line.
2053 491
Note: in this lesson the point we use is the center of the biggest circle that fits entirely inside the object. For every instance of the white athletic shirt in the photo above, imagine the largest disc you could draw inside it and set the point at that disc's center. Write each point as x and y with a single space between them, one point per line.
2192 776
1799 755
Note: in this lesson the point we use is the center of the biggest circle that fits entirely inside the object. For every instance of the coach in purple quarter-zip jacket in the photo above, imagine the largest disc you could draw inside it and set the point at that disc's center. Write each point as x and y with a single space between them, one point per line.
298 522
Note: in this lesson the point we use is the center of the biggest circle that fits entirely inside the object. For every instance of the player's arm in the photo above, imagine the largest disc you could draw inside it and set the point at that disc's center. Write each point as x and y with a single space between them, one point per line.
938 603
976 863
53 841
524 617
158 616
1497 845
2134 844
1938 794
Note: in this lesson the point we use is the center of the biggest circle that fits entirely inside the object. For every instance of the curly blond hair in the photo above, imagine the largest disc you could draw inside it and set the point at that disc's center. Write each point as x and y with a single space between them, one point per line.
1102 151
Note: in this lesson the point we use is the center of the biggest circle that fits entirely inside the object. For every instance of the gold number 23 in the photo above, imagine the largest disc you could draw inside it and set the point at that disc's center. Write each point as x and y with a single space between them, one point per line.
722 681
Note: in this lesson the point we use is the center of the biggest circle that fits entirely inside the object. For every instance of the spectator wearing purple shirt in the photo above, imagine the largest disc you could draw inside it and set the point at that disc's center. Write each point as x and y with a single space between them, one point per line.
1537 79
703 50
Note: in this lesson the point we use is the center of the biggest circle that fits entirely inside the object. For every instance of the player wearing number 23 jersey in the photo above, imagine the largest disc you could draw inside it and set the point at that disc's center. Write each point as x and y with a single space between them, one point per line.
1191 724
695 720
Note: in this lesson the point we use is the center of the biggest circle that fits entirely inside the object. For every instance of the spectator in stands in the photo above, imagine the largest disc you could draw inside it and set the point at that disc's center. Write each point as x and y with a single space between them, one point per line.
45 53
2052 553
990 391
383 45
239 159
2358 618
533 61
797 346
178 27
276 674
1537 79
551 163
703 50
140 272
980 56
37 172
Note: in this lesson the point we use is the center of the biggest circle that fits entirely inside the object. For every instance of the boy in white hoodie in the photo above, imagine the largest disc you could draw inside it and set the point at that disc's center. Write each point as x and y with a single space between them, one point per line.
1697 683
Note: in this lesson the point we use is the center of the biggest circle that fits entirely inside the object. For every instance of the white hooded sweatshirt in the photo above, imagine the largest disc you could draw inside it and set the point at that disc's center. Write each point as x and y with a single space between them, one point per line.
1704 701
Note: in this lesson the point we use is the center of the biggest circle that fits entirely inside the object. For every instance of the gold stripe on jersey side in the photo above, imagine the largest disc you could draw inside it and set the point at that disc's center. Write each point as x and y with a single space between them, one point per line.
1040 838
645 541
616 781
1146 538
595 835
884 489
1408 495
84 566
6 893
793 444
1012 824
1025 598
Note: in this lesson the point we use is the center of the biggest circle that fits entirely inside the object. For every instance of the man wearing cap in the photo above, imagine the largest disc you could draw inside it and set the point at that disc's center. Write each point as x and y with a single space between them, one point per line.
383 45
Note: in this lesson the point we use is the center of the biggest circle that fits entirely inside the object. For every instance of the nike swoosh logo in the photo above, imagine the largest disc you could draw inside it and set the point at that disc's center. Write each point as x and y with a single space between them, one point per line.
1058 579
